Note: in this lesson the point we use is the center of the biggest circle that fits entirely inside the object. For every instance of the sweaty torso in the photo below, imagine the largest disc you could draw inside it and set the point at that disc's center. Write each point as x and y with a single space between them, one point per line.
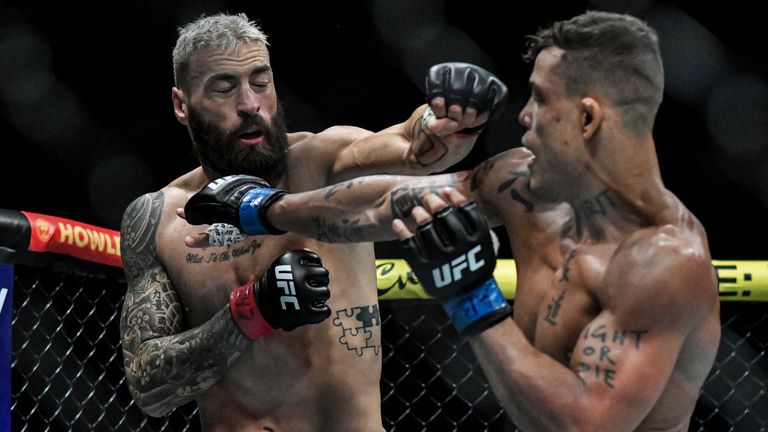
569 293
322 377
562 289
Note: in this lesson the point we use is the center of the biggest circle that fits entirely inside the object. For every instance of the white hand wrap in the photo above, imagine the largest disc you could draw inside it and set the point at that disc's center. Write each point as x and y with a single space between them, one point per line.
428 114
221 234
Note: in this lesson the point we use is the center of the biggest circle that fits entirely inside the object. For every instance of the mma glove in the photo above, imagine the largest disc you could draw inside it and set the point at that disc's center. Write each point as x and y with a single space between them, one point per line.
467 85
292 293
239 200
453 257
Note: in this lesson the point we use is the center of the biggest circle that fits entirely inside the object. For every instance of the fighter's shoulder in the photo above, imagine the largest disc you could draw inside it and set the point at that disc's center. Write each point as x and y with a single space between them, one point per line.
515 160
675 236
670 261
147 213
667 245
504 173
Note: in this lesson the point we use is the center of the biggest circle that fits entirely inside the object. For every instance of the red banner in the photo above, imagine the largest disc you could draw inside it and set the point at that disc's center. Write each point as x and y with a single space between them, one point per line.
68 237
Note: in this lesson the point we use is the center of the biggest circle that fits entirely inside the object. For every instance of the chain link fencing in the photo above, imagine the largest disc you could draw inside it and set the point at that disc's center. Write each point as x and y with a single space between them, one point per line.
67 371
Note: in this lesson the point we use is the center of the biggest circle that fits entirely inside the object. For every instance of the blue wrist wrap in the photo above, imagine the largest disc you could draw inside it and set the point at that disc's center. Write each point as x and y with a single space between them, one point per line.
250 212
486 303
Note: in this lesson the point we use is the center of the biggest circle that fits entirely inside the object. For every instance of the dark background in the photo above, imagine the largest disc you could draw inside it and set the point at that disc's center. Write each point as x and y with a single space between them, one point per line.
87 122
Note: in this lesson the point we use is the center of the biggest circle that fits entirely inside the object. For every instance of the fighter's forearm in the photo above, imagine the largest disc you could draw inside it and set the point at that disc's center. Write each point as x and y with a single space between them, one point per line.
167 372
411 147
358 210
537 392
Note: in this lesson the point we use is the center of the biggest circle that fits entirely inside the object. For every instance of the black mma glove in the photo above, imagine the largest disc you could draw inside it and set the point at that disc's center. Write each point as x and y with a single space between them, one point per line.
454 258
466 85
293 292
238 200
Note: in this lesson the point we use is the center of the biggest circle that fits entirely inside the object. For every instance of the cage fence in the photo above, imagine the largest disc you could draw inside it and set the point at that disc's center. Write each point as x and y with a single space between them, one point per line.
67 370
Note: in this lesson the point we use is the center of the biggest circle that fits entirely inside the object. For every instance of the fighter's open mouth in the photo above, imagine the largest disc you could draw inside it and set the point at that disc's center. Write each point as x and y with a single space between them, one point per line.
252 134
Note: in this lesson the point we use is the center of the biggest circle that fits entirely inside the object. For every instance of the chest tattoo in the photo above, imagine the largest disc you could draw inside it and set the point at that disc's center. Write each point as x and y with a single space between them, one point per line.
553 309
567 266
234 251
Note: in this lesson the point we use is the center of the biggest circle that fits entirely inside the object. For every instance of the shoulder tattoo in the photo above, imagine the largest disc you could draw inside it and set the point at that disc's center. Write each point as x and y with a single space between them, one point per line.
138 231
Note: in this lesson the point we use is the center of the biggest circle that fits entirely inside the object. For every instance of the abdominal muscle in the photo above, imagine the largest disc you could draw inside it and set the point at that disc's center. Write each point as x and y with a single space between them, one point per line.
291 382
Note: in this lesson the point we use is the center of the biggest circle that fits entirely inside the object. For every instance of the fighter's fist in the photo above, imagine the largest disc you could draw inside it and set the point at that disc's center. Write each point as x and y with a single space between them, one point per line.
453 255
451 252
291 293
238 200
466 85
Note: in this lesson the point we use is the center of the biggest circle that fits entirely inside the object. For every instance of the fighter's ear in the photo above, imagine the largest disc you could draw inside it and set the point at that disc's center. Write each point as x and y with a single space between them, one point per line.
592 115
180 107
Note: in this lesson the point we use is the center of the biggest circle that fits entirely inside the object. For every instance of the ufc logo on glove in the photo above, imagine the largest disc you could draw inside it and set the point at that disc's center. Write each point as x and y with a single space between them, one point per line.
284 277
450 272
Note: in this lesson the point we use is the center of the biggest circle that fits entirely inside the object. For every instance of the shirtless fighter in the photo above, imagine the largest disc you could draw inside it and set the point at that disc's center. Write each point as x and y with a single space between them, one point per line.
616 316
248 329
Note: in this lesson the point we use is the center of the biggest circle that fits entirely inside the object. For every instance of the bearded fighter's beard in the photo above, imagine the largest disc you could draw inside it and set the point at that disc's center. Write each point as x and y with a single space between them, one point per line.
221 152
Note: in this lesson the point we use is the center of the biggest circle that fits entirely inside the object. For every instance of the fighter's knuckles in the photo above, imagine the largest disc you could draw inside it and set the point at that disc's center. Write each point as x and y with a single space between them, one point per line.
438 106
456 112
467 85
197 241
420 215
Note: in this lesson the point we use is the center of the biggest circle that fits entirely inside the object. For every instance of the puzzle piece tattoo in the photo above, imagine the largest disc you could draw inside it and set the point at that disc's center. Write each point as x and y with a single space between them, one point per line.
358 326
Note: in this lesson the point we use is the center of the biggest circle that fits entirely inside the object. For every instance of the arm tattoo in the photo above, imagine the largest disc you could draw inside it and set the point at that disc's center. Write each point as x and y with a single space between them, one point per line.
479 173
596 357
435 144
165 367
332 232
404 200
137 235
332 190
167 372
514 193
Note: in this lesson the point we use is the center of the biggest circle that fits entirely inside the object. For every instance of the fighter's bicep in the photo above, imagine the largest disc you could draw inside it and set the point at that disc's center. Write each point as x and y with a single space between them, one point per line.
624 366
334 155
151 307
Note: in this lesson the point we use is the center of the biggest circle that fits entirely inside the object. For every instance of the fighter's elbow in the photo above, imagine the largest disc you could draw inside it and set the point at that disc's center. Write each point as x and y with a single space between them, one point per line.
146 398
156 410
